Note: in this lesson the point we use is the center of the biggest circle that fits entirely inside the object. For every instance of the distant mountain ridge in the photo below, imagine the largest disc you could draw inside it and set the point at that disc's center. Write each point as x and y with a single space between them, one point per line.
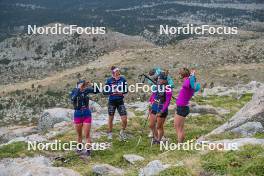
130 17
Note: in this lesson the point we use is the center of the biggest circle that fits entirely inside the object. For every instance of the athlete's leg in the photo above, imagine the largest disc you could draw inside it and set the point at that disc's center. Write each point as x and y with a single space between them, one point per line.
111 113
110 123
152 124
78 128
123 114
160 127
179 126
124 122
87 129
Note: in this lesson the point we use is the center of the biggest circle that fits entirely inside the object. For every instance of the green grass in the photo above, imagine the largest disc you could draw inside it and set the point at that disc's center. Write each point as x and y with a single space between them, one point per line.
177 171
225 135
15 150
114 155
226 102
259 135
248 161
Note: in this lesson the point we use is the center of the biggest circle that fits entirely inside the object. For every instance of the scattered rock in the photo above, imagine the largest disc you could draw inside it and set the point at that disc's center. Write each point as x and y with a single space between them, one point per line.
132 158
178 164
249 129
52 116
40 166
106 169
153 168
253 111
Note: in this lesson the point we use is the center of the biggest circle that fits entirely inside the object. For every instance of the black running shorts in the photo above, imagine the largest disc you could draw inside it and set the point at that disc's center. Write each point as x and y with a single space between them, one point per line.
183 110
116 104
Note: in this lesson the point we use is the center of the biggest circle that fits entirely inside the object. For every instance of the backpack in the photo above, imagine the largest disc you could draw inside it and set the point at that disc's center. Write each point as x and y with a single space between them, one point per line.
169 78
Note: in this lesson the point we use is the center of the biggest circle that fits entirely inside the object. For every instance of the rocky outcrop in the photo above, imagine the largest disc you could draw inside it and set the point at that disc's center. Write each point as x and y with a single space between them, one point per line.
106 169
249 129
153 168
30 138
8 133
251 87
235 144
253 111
207 109
52 116
40 166
132 158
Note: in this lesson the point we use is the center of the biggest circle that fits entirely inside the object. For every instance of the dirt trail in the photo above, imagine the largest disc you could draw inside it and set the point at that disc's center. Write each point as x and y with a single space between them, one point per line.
104 61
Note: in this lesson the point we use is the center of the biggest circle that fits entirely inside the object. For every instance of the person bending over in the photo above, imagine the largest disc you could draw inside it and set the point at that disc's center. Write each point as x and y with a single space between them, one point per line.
117 88
189 87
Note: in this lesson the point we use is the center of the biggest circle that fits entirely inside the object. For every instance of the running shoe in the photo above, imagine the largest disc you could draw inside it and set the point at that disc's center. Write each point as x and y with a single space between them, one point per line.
122 135
87 153
154 141
150 135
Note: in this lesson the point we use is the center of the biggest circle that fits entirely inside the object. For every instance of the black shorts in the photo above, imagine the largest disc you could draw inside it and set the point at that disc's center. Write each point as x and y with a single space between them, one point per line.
116 104
162 115
183 110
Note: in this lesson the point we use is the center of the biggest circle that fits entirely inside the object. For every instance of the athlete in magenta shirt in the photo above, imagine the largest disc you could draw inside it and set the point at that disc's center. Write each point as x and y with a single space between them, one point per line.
185 93
189 87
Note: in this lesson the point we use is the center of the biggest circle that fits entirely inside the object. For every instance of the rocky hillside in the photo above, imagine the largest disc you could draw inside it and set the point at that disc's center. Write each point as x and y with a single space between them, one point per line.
26 57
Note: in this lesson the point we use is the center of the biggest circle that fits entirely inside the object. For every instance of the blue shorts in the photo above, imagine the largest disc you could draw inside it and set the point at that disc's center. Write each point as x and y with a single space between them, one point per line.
157 108
82 116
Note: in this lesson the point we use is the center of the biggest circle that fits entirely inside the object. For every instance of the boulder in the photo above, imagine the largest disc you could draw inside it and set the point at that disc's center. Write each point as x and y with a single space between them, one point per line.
52 116
106 169
249 129
132 158
253 111
40 166
153 168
